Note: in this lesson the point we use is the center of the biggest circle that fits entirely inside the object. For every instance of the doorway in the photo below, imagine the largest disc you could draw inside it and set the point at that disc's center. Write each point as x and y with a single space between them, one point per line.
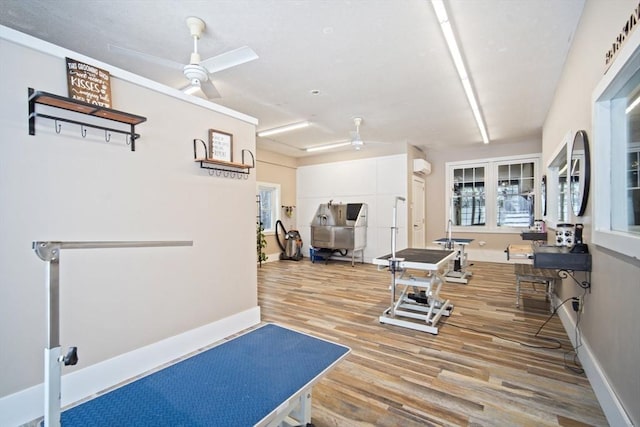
418 212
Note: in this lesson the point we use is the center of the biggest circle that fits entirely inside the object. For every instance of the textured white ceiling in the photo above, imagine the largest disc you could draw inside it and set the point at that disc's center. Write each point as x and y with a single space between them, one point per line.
383 60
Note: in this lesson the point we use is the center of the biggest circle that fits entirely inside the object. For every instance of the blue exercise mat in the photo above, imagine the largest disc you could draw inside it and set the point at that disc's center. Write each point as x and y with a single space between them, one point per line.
237 383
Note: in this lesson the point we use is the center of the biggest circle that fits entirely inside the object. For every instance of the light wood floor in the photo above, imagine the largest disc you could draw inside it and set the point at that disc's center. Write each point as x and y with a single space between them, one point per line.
464 376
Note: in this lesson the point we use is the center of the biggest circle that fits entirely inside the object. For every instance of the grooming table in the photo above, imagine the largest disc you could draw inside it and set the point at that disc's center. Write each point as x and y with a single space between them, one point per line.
263 377
424 304
457 271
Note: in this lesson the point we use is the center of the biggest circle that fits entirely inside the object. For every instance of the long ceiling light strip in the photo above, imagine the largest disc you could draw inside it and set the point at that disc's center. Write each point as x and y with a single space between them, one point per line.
327 147
282 129
447 31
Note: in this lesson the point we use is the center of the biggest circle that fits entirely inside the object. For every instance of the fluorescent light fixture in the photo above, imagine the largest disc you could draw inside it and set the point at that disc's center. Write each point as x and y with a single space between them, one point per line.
327 147
286 128
456 55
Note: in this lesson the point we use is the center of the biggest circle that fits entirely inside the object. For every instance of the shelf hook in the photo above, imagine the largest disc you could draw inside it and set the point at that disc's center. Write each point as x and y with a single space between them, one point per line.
211 172
128 139
107 136
58 126
83 131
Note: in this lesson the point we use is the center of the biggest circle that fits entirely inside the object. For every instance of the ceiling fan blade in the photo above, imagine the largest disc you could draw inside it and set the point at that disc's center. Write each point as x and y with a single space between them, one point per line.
194 91
210 90
229 59
145 56
205 90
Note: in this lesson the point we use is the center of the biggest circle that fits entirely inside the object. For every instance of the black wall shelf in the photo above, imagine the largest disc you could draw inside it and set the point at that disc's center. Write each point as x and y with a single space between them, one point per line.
222 168
69 104
562 259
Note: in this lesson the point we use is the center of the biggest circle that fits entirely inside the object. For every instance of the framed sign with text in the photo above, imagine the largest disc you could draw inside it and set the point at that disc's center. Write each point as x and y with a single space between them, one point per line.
220 145
88 83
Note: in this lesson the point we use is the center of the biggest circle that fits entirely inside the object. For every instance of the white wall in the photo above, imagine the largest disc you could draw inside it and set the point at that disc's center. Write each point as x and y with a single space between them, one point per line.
65 187
374 181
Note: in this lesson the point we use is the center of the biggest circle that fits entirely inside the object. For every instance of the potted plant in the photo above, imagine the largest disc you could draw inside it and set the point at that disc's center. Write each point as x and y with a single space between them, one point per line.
261 243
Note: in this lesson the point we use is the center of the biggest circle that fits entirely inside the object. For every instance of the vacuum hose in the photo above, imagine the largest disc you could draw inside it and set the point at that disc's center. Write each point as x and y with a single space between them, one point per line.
284 233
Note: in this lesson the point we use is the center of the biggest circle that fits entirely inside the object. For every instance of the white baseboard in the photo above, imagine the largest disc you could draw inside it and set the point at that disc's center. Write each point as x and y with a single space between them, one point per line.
273 257
611 405
27 405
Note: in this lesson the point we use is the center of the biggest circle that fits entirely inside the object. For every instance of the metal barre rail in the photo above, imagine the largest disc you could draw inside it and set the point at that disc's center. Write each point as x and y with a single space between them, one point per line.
47 251
50 251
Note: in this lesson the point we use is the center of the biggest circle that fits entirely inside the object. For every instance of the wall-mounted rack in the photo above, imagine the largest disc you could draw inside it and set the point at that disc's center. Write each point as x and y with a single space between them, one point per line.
220 167
69 104
288 210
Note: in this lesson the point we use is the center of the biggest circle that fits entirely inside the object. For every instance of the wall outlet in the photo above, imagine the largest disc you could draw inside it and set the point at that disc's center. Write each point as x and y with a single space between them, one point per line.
578 304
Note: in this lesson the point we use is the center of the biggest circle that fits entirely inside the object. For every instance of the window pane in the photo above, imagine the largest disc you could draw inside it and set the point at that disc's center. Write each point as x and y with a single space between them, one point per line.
269 195
468 199
515 198
633 189
626 150
266 204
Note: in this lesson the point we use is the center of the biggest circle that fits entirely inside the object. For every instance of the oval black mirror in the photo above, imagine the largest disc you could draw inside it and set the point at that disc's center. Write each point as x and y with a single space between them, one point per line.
579 173
543 195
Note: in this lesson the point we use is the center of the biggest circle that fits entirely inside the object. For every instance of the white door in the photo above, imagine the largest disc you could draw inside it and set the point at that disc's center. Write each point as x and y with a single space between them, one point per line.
417 212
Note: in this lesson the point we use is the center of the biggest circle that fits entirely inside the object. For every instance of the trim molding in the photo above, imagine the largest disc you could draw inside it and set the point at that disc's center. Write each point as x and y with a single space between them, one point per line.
611 405
28 405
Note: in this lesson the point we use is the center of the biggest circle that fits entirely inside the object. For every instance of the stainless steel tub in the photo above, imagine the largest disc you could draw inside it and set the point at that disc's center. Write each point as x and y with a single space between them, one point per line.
340 227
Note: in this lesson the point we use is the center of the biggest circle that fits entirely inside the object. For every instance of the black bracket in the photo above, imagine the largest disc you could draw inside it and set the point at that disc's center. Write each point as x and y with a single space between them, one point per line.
585 284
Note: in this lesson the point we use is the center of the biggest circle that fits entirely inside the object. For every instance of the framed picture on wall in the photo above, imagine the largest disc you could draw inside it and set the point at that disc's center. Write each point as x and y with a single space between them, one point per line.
220 145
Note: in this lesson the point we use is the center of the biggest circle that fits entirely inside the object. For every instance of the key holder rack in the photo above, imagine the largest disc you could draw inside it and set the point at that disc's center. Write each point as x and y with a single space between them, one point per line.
61 103
222 168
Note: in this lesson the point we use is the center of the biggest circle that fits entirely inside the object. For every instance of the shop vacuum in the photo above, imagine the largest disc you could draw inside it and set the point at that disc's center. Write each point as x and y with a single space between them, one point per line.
290 243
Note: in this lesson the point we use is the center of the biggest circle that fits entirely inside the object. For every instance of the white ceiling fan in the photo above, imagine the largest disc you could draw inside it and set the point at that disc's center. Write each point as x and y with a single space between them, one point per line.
197 71
355 142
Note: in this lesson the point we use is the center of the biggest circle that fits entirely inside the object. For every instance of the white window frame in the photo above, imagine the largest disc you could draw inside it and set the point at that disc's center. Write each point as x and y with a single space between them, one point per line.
491 196
557 167
626 64
275 205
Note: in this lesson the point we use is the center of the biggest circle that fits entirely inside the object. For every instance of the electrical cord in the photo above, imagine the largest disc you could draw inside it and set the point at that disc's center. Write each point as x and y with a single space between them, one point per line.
558 344
577 366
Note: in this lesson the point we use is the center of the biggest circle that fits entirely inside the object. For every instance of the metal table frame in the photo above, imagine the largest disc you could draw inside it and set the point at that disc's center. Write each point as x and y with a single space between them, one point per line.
459 273
53 359
428 312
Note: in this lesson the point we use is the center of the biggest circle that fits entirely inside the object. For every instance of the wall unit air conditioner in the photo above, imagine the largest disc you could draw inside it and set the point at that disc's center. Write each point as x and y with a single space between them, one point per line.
421 166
